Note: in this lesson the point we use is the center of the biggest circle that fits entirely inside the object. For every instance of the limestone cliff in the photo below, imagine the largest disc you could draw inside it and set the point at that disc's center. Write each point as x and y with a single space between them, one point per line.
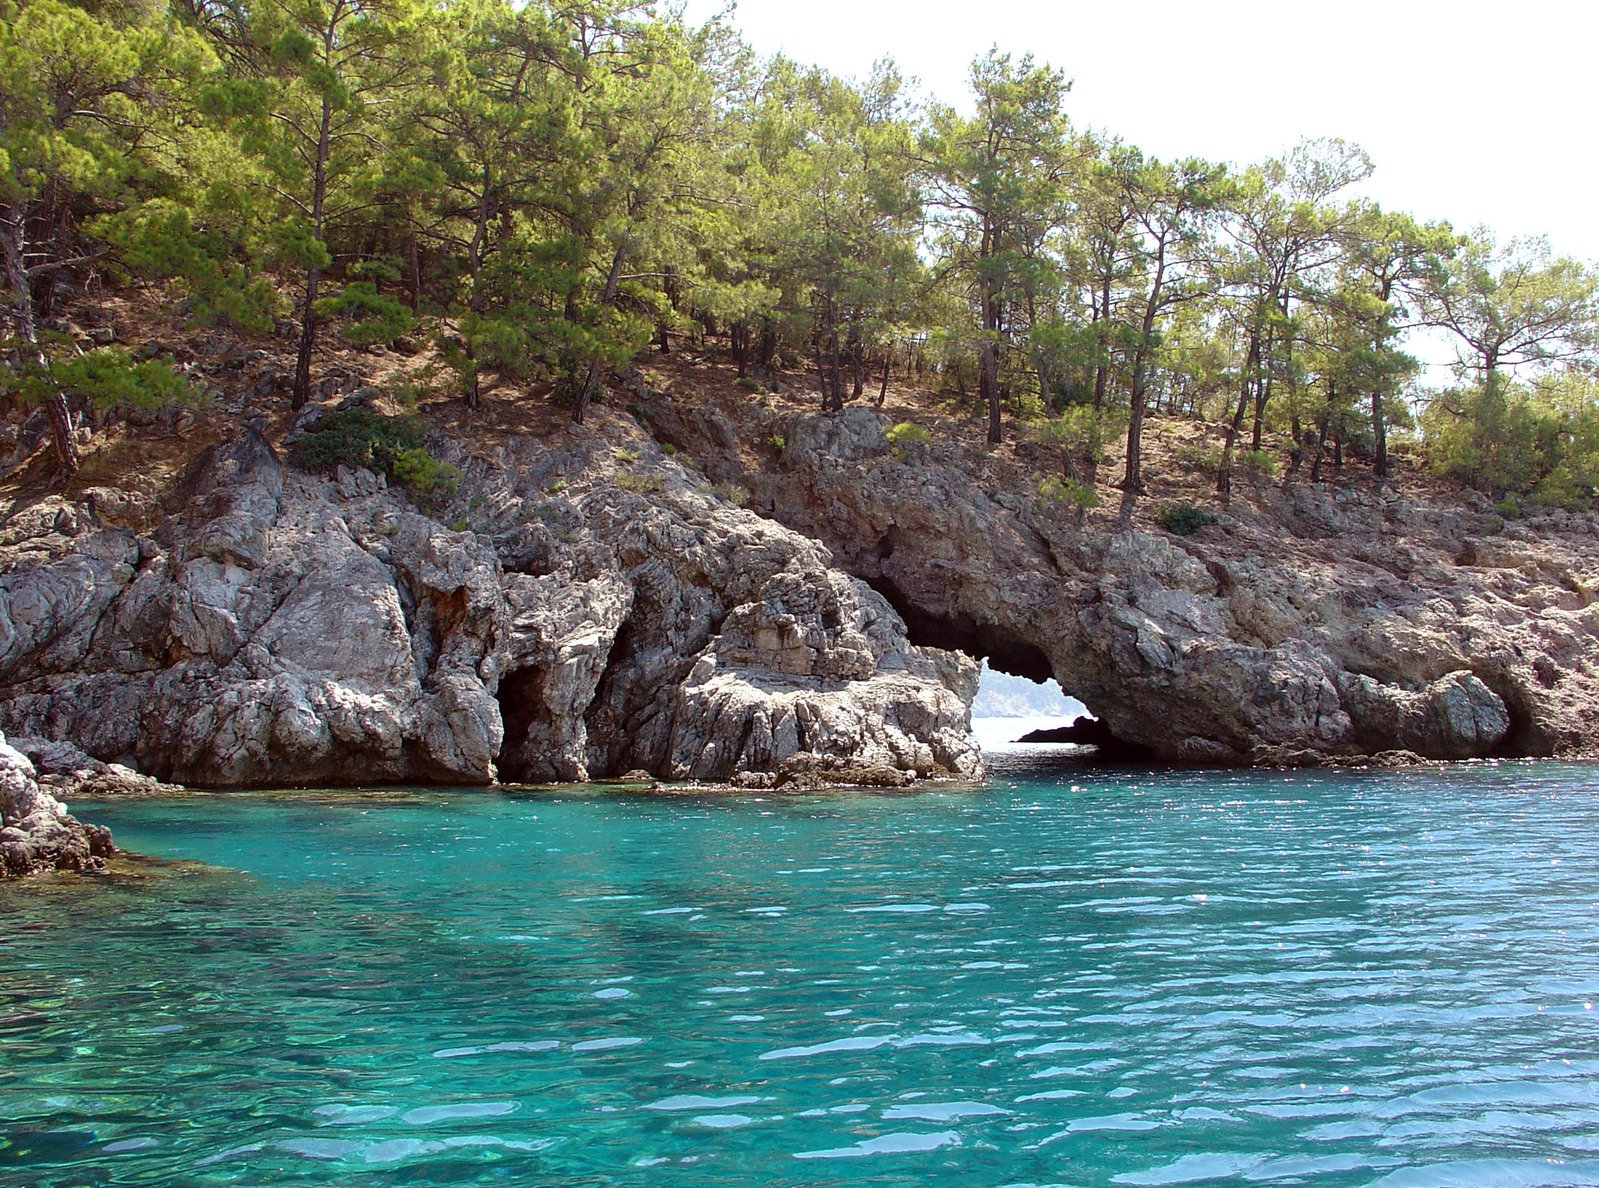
261 625
1306 624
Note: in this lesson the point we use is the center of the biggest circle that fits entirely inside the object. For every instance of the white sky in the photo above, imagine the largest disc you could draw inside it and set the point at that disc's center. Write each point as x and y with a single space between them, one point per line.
1473 112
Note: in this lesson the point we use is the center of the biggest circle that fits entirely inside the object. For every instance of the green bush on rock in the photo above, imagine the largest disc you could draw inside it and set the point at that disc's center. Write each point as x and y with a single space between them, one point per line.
1184 519
391 445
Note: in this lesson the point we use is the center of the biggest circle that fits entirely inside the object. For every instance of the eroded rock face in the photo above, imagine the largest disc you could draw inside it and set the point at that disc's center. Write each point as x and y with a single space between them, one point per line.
36 831
281 628
1329 626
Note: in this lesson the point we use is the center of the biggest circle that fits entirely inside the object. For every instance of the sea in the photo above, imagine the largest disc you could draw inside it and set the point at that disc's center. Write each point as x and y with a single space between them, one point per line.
1063 975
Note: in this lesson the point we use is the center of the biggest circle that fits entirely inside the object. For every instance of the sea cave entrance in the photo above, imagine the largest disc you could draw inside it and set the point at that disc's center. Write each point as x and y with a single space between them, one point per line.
1010 708
1018 693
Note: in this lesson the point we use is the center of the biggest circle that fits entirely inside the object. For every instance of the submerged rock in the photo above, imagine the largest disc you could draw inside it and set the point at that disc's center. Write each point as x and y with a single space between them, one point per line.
36 831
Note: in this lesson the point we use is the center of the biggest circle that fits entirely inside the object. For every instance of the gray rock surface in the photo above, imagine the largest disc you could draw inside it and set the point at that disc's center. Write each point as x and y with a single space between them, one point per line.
268 626
67 773
1308 621
36 831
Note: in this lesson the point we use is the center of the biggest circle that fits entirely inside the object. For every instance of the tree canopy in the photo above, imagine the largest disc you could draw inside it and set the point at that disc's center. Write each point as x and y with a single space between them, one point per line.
544 190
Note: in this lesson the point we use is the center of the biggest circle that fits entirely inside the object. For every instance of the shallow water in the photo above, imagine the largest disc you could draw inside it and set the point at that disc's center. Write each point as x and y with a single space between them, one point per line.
1061 978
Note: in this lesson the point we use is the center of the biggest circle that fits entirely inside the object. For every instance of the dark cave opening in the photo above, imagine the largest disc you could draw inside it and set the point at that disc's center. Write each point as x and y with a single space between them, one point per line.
520 698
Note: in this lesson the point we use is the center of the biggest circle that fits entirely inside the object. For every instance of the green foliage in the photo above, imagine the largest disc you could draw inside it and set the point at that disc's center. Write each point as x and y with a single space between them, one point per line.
553 184
1184 519
108 377
903 435
778 442
423 473
639 484
160 239
1056 490
1535 444
624 455
1198 458
1259 465
391 445
556 487
1081 432
358 437
371 316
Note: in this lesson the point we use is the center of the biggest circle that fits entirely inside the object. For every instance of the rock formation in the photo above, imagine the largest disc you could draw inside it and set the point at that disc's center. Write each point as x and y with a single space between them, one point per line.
268 626
596 606
1318 624
36 832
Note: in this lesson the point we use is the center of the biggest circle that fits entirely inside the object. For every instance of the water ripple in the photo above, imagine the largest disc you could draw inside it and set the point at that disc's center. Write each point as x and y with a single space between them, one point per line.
1140 978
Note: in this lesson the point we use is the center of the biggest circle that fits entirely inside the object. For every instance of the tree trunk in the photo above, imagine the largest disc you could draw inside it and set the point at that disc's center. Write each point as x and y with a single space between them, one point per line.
988 359
591 382
1379 435
1133 477
474 304
882 388
13 246
669 289
1224 476
414 254
1321 433
988 386
313 274
1102 364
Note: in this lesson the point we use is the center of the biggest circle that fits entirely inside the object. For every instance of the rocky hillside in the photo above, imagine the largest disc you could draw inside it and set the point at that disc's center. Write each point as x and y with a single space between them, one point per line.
251 623
706 583
1308 623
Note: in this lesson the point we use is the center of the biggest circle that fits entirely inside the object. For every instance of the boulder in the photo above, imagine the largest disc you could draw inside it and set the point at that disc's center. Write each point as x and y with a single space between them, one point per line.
36 832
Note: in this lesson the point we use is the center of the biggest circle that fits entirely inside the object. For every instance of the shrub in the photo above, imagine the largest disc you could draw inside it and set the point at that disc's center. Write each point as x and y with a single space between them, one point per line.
905 434
731 493
1070 492
624 455
752 385
373 316
1258 464
639 484
108 377
1184 519
1509 507
422 472
359 437
778 442
392 445
1201 459
556 487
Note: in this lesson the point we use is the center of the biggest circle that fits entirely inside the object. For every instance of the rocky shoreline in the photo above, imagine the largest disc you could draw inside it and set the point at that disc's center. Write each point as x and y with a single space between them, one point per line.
37 834
269 627
721 593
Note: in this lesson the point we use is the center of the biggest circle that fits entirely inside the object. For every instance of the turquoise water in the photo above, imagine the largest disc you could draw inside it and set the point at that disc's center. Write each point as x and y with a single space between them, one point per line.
1060 978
